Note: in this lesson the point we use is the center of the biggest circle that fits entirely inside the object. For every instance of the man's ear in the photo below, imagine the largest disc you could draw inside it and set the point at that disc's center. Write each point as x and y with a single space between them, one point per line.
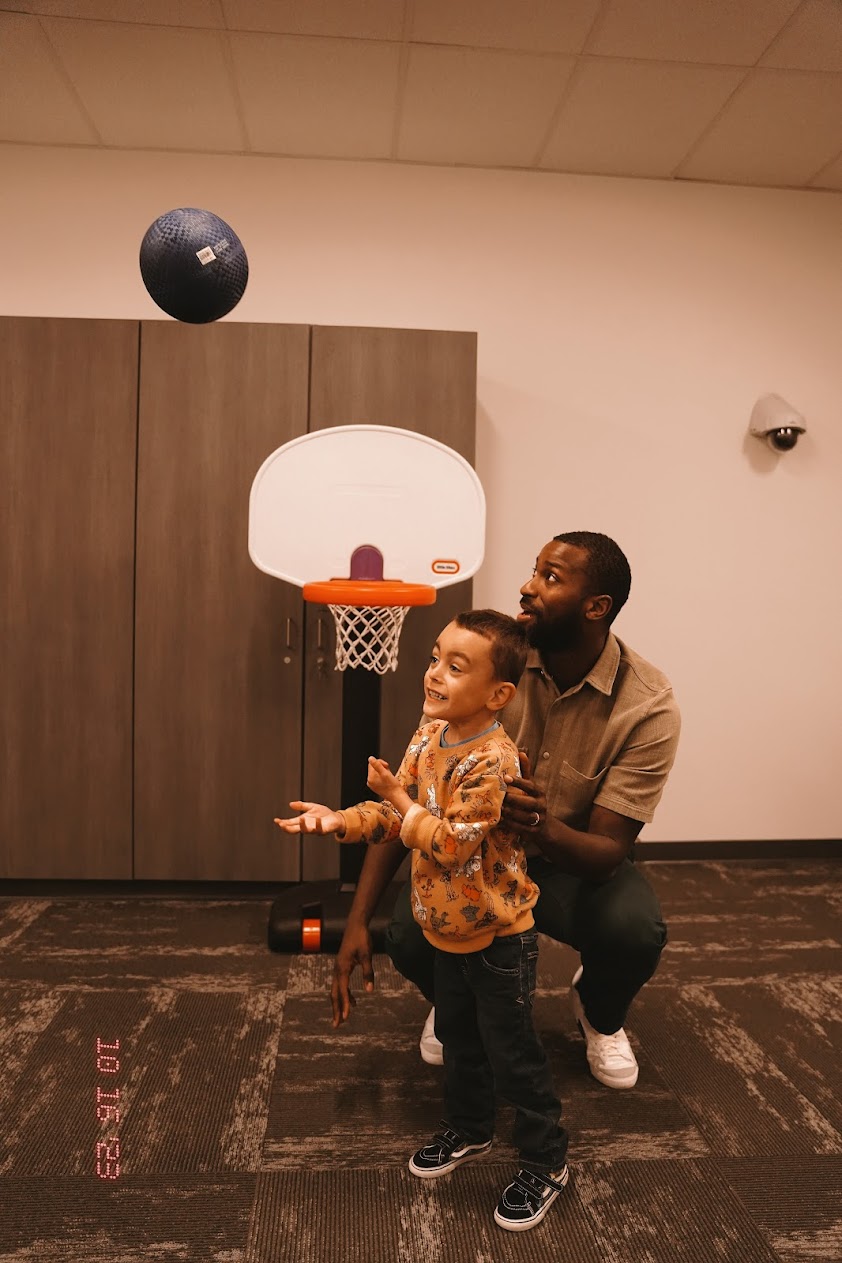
598 606
502 695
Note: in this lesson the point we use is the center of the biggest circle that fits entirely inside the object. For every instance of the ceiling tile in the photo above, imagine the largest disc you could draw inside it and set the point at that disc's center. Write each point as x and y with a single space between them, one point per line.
635 118
205 13
721 32
359 19
323 97
150 87
811 41
477 106
779 129
36 103
830 177
541 25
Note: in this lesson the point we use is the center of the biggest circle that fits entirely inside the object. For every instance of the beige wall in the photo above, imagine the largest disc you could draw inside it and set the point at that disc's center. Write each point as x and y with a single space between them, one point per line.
625 330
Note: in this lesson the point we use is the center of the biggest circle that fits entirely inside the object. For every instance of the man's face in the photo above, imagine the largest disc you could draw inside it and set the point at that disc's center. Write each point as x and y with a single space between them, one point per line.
553 600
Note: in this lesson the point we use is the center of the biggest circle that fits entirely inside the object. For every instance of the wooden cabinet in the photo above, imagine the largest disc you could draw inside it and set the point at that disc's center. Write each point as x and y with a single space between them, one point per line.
68 427
162 699
218 643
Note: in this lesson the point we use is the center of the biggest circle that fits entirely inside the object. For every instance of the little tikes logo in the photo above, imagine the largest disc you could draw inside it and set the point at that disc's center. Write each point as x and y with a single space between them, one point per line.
444 565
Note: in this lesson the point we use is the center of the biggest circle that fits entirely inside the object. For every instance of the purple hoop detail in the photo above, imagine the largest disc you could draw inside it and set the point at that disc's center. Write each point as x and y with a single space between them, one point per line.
366 563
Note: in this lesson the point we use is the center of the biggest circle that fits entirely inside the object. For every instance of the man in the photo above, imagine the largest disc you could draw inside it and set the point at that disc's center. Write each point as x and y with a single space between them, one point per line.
598 728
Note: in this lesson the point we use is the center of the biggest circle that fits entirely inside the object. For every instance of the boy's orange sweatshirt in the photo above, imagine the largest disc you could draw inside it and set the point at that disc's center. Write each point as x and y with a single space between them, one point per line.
469 880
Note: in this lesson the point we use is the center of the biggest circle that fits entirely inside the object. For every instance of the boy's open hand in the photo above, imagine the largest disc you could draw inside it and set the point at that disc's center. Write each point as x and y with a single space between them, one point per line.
313 818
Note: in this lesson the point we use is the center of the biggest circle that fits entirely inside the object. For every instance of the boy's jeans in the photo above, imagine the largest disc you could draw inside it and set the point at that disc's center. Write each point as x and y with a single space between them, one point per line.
484 1020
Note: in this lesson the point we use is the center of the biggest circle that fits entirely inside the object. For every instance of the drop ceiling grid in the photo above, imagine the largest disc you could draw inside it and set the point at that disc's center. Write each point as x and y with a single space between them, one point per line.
746 94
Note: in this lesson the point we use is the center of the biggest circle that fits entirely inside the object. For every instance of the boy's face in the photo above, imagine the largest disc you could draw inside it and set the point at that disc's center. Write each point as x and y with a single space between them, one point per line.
460 681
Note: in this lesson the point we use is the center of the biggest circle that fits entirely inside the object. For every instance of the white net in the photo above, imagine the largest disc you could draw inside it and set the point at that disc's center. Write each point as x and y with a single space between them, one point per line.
367 636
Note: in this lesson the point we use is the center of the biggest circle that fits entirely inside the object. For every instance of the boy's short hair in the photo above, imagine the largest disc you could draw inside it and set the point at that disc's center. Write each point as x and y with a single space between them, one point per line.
509 645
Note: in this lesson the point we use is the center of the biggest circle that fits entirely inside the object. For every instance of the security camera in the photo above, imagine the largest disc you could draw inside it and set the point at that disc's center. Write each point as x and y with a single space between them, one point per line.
776 421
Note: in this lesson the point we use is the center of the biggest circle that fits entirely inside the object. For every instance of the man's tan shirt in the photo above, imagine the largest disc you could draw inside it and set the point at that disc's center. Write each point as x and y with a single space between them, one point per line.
610 740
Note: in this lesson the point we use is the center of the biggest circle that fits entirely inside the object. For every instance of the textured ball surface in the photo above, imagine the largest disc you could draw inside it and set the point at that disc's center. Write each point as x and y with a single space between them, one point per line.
193 264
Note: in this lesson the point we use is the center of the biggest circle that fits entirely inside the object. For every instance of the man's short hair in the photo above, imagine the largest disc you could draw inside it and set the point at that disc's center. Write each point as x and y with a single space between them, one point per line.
509 645
607 568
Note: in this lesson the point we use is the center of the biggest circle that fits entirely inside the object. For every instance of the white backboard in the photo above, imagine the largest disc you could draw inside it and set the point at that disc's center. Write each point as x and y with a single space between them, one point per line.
318 498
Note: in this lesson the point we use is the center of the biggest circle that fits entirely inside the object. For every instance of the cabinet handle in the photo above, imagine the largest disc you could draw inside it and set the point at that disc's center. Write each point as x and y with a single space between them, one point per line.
321 660
288 645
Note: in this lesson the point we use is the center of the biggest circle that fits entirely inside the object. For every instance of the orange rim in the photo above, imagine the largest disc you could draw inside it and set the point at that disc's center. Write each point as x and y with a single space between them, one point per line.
311 934
369 592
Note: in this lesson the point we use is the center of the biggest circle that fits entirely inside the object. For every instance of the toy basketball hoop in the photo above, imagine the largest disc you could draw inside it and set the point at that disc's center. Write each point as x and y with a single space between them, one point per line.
370 521
368 611
411 509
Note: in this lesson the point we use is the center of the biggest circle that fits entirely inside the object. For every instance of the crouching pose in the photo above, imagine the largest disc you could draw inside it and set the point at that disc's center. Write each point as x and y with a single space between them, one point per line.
600 726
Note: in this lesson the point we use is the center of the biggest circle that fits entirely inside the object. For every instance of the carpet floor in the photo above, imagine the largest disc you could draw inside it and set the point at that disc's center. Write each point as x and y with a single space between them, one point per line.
172 1090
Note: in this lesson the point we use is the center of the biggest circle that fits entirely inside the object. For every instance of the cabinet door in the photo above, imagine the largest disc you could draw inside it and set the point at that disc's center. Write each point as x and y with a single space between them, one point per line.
218 646
416 379
68 391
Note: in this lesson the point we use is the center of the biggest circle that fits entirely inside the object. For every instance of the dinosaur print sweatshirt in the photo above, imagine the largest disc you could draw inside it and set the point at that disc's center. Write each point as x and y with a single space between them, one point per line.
469 880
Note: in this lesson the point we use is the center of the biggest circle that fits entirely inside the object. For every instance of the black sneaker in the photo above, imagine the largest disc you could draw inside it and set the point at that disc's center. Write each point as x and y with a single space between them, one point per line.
528 1198
446 1151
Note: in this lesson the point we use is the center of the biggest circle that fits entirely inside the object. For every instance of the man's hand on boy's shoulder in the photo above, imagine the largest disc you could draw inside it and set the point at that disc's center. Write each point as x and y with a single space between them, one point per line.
525 804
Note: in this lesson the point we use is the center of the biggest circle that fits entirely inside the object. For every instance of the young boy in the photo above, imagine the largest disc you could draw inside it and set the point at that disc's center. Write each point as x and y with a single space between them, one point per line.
473 900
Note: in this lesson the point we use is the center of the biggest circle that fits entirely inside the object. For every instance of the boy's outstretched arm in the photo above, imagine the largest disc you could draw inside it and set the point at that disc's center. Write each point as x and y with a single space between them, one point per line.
312 818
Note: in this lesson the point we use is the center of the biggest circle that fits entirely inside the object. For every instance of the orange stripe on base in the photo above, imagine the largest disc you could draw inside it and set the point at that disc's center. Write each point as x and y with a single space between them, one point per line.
311 934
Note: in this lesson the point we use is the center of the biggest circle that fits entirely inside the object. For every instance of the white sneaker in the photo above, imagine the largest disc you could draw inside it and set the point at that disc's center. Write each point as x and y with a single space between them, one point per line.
431 1049
610 1057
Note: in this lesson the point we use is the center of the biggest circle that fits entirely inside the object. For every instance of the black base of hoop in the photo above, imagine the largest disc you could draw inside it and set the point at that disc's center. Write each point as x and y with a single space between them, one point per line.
327 904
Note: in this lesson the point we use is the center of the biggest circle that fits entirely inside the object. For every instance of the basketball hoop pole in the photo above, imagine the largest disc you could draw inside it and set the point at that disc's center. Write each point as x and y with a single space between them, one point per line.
361 693
368 612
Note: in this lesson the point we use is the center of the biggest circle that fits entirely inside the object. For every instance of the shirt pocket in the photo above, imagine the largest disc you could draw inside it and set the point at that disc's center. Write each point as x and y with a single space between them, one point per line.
573 795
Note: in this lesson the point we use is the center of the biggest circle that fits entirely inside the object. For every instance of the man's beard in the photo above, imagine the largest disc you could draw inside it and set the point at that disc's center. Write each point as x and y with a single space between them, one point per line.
562 633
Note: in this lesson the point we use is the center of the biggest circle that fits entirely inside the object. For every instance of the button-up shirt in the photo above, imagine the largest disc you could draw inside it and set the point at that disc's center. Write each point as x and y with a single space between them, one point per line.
609 741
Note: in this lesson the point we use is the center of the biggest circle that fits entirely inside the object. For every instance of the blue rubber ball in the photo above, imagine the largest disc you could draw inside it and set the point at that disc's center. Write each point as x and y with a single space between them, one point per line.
193 265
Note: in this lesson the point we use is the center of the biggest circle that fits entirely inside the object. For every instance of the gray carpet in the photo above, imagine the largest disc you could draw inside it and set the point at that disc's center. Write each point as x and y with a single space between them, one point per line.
251 1132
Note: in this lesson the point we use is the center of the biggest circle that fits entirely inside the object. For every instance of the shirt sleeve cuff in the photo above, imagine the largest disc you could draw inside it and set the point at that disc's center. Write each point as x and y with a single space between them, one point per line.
411 816
352 825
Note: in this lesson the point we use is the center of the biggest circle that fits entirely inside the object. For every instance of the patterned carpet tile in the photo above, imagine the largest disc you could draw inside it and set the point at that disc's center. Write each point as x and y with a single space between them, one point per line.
362 1095
744 1096
668 1212
251 1131
743 919
797 1021
136 1219
388 1216
691 885
718 947
191 1078
797 1204
102 942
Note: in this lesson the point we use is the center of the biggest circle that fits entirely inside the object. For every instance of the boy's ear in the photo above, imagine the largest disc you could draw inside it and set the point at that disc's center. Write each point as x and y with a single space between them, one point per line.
502 695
